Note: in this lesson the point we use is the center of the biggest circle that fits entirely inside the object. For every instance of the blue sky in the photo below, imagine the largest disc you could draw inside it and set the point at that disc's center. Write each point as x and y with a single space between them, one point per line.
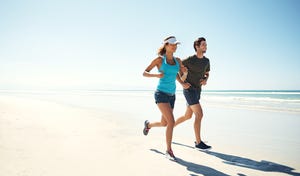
62 44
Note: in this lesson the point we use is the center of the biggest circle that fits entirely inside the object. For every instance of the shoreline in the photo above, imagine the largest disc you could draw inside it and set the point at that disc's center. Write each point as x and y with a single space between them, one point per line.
271 100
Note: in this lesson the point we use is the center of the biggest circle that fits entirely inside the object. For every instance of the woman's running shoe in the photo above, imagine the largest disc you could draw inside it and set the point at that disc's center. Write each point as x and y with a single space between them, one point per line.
146 128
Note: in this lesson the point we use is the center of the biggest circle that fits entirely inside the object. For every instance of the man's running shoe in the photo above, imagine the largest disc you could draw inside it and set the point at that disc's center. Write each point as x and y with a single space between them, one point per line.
146 128
170 155
202 146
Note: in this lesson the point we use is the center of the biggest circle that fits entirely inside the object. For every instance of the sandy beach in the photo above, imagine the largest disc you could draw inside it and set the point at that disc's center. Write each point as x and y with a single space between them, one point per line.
40 136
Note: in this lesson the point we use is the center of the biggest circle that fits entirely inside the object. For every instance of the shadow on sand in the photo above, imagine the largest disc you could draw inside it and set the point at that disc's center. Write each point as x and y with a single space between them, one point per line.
196 168
265 166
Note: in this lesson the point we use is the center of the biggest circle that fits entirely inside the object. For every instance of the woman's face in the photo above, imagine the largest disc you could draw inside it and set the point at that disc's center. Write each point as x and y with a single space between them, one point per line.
171 47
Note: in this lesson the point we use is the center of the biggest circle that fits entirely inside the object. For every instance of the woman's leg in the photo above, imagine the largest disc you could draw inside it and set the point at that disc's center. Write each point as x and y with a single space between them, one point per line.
167 113
162 123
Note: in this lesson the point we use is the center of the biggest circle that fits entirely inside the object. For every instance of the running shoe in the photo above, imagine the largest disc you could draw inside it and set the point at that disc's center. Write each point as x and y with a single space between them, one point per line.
170 155
146 128
202 146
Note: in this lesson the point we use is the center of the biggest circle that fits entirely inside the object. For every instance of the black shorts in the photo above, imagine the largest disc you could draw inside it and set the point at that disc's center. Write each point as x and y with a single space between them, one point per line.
192 95
162 97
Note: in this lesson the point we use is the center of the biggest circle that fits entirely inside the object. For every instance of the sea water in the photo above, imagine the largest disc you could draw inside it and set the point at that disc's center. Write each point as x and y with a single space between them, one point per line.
129 100
270 100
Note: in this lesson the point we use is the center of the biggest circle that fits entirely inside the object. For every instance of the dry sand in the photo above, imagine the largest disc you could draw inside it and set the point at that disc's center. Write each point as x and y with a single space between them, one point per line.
42 138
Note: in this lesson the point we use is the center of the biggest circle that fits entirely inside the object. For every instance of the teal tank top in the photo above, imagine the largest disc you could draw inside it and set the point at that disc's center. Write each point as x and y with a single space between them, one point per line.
167 83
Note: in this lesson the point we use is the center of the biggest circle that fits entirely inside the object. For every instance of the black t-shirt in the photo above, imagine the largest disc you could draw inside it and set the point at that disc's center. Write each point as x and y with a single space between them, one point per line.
196 69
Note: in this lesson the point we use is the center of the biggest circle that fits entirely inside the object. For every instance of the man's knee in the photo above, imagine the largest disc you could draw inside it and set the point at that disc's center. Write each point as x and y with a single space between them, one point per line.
188 116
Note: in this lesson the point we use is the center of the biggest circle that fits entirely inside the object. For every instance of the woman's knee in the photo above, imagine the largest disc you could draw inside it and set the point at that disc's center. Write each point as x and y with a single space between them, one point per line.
164 123
198 115
170 122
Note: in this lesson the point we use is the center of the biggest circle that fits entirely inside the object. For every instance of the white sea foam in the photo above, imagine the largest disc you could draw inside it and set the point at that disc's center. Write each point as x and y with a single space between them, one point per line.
284 101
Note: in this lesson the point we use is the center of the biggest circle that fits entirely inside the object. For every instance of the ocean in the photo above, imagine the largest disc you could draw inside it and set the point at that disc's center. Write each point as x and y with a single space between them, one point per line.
265 100
270 100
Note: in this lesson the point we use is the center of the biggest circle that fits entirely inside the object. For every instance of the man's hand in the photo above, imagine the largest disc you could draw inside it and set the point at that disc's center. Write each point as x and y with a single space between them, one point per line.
203 81
184 72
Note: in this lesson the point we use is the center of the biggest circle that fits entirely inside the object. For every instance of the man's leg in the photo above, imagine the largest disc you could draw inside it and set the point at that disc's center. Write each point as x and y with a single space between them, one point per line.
197 110
188 115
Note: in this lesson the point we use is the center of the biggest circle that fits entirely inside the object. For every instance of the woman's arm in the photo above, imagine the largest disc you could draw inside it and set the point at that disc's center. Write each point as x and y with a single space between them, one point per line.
182 75
156 62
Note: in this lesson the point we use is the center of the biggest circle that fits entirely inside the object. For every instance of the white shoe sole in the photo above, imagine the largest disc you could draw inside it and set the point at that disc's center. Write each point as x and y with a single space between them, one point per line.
203 149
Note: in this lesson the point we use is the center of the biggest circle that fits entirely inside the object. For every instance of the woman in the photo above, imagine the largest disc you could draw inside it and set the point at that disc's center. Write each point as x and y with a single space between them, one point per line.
168 67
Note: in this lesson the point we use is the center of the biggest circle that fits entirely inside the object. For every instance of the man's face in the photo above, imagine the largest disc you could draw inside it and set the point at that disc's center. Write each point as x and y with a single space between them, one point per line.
203 46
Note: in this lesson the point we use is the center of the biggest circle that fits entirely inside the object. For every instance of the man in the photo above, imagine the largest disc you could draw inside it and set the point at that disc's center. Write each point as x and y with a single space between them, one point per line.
198 72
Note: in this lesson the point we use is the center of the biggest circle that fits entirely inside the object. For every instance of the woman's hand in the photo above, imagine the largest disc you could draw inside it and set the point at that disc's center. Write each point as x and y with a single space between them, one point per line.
160 75
186 85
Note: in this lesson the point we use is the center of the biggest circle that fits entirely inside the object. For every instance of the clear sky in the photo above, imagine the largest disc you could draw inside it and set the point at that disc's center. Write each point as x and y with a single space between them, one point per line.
107 44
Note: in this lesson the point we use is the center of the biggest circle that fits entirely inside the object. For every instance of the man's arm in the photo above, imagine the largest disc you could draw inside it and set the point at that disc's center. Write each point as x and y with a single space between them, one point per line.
203 81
